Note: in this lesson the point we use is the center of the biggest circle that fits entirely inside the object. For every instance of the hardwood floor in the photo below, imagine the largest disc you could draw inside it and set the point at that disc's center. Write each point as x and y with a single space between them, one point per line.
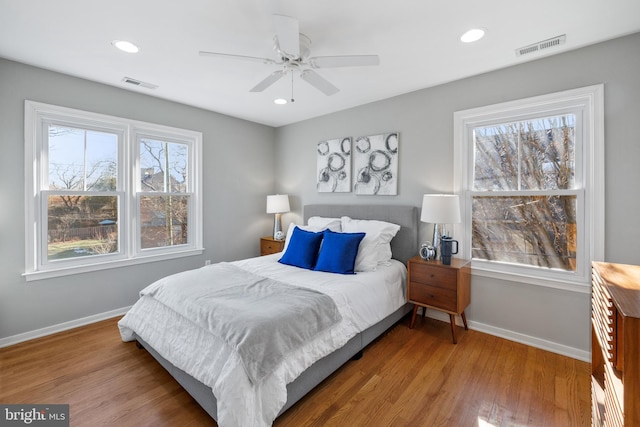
406 378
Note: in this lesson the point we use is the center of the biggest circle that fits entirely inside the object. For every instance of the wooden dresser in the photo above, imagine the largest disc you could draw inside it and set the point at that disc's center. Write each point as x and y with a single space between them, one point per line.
615 344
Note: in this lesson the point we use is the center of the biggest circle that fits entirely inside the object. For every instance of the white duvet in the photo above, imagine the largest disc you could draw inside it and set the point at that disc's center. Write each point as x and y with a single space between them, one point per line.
363 299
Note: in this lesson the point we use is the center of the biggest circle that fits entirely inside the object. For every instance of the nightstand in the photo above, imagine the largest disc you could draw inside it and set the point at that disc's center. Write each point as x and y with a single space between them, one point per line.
442 287
269 245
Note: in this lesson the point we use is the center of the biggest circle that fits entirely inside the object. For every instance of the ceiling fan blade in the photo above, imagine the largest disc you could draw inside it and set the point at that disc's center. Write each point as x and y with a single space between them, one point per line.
287 33
271 79
344 61
320 83
232 56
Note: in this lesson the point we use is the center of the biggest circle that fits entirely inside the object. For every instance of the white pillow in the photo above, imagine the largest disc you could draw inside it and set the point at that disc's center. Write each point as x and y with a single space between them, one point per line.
375 248
333 224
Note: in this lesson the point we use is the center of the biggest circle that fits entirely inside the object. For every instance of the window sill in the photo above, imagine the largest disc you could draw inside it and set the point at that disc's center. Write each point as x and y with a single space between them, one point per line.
61 272
478 269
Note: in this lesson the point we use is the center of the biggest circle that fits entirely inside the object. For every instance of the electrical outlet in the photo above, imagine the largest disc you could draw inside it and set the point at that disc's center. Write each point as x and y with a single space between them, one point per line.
207 262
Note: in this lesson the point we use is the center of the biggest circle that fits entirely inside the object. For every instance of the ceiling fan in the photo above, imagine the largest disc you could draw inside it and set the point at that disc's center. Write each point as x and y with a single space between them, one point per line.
293 50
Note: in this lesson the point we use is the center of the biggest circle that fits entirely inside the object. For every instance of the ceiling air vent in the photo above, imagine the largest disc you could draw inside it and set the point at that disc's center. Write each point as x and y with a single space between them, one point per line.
135 82
545 44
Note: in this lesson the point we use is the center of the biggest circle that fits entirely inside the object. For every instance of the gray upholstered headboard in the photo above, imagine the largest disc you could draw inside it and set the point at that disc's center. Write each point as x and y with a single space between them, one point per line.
403 246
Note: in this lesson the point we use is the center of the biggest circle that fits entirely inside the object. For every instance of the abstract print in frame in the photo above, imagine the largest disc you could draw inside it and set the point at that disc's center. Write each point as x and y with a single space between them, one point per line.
376 164
334 166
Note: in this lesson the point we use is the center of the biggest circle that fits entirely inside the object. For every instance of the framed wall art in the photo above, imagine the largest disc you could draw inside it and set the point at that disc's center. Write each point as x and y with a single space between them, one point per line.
334 165
376 164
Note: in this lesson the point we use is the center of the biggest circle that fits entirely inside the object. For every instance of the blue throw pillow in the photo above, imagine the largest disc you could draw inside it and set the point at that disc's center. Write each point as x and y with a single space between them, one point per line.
338 252
303 248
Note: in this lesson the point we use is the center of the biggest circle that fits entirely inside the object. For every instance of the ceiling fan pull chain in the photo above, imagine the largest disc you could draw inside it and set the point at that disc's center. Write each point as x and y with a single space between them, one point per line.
292 100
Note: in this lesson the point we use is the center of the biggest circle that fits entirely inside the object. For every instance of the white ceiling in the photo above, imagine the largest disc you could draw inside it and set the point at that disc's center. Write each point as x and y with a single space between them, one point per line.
417 41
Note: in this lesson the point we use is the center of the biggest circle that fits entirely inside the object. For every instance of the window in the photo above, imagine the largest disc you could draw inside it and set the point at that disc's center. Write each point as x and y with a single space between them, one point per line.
164 197
530 177
104 192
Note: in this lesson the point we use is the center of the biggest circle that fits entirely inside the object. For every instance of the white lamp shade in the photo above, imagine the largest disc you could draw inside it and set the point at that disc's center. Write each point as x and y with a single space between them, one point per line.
440 209
278 203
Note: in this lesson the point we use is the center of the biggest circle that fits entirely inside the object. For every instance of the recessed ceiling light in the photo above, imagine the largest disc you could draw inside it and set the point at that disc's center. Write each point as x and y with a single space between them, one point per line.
280 101
126 46
472 35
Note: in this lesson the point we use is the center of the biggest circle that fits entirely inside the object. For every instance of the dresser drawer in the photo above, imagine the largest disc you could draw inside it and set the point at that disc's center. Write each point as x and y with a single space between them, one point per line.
435 296
441 277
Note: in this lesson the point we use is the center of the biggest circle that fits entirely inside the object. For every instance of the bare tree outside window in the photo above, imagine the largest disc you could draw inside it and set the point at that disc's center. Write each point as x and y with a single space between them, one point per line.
164 208
520 213
82 168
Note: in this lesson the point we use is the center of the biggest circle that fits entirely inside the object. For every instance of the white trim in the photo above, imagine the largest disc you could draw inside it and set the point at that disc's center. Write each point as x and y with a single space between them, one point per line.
60 327
529 340
48 274
479 269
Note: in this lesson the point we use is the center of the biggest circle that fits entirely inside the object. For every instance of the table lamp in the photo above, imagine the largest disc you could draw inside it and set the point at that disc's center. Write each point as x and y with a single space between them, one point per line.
440 209
278 204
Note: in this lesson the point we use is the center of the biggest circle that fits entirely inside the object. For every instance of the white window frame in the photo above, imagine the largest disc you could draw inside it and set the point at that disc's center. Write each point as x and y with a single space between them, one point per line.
37 118
588 103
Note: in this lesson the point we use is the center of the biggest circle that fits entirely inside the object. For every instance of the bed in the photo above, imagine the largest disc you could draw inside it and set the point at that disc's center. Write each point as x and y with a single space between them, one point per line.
292 378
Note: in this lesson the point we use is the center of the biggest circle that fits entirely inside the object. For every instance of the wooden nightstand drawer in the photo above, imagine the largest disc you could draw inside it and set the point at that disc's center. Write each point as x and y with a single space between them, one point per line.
268 245
446 299
440 277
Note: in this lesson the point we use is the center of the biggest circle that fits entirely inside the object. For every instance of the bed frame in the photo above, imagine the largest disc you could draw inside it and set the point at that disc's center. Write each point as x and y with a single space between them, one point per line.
404 245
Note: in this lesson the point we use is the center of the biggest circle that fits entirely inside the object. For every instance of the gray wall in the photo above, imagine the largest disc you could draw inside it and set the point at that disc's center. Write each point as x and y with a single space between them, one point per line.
550 318
240 158
238 174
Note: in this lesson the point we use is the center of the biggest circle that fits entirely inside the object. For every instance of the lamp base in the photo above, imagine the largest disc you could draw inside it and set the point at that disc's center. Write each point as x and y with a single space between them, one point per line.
278 234
438 232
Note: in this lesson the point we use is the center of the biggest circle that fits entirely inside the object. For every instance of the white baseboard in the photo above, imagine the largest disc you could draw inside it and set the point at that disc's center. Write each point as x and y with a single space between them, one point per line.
551 346
49 330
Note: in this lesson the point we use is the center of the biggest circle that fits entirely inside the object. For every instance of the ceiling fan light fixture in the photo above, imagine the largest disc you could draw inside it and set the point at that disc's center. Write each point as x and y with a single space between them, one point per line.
126 46
473 35
280 101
